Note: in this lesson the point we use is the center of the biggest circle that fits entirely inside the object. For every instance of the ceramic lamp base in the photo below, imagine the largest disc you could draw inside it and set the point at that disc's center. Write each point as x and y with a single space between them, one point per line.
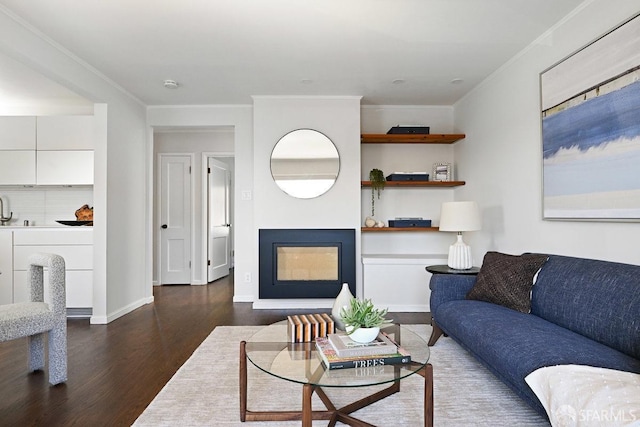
460 255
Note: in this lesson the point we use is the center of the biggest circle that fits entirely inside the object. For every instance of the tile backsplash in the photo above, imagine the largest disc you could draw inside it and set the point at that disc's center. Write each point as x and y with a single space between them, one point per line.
44 205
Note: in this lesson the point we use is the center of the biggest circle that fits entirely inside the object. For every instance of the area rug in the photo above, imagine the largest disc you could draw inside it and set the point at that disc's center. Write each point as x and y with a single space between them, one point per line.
204 391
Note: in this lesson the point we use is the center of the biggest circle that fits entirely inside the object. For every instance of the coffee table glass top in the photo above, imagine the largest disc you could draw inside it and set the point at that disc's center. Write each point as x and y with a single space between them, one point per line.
270 352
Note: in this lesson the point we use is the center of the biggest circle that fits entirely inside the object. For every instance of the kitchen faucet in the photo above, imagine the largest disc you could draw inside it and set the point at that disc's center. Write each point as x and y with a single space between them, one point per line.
3 219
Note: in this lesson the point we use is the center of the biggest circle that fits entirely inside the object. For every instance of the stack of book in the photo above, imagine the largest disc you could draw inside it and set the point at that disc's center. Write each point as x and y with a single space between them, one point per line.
338 351
307 327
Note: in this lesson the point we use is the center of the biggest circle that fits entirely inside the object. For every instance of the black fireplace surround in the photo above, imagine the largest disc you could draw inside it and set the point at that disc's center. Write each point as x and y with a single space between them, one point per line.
274 241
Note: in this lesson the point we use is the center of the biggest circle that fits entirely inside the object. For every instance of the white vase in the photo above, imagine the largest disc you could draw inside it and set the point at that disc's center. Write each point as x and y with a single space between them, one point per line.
364 335
342 300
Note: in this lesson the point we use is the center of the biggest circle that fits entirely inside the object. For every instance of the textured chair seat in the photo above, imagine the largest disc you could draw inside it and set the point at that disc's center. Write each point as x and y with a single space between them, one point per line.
36 318
24 319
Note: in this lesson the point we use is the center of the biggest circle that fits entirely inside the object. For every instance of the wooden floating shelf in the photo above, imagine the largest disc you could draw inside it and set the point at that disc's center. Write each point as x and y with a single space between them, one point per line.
383 138
397 229
417 183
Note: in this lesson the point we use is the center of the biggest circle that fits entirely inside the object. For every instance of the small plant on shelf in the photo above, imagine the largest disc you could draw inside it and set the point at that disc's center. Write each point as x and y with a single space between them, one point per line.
363 314
378 181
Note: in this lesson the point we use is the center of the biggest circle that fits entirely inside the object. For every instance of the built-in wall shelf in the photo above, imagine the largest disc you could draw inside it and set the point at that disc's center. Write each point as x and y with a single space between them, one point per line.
397 229
384 138
417 183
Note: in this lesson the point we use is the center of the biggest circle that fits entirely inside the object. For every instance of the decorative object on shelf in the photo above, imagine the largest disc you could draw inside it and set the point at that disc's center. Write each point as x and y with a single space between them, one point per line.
409 222
361 314
459 217
408 176
380 224
369 222
408 129
442 172
342 300
376 176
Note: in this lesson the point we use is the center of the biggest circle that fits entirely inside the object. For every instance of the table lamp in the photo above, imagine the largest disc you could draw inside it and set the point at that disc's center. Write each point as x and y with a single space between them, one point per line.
459 217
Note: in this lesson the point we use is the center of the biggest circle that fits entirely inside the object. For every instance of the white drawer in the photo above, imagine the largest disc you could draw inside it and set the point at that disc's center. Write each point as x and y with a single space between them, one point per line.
76 257
65 236
79 288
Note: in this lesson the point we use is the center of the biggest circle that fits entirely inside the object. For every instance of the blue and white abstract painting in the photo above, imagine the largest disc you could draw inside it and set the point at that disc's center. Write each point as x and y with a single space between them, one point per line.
591 150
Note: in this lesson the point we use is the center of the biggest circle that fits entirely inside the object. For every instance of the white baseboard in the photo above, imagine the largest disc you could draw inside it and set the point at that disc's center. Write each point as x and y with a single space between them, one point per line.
103 320
243 298
297 304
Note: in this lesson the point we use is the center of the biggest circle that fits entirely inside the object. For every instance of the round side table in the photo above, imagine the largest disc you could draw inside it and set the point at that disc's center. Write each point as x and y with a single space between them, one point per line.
445 269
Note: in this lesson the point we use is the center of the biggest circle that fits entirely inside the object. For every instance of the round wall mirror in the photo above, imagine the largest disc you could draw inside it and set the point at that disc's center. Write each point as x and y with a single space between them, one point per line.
305 163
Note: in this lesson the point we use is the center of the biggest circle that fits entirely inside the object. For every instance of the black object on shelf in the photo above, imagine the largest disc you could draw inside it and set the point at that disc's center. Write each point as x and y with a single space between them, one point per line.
407 130
408 177
409 223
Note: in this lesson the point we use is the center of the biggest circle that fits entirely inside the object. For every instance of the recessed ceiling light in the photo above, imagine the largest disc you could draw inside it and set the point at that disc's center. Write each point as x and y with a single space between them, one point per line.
171 84
398 81
306 81
456 81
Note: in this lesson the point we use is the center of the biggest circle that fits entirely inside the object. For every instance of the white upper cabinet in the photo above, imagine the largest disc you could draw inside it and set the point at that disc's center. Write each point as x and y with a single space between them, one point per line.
18 167
65 133
17 133
65 167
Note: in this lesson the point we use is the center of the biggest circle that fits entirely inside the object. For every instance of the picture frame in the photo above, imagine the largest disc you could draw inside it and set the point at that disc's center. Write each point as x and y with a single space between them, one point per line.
442 171
590 122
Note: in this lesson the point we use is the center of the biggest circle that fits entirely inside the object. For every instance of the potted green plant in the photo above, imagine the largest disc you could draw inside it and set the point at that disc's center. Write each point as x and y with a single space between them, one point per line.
378 181
362 320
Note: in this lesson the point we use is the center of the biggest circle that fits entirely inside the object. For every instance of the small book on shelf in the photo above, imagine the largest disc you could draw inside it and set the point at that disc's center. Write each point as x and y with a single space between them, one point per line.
346 347
330 359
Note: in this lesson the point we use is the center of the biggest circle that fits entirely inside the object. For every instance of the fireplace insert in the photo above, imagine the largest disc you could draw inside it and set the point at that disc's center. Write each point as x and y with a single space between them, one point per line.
306 263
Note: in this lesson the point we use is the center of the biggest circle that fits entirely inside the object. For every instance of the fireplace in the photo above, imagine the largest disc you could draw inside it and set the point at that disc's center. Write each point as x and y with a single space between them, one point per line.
306 263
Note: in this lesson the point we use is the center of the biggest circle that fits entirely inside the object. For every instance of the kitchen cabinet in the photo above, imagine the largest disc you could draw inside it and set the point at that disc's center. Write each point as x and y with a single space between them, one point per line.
64 167
6 267
17 150
17 133
17 167
65 132
75 246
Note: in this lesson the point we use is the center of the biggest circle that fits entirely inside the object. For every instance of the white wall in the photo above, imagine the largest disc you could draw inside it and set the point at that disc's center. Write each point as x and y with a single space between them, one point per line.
339 119
122 273
501 155
197 143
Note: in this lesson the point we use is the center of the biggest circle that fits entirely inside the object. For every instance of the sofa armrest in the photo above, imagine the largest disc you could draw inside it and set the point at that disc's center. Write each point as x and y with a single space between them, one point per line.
449 287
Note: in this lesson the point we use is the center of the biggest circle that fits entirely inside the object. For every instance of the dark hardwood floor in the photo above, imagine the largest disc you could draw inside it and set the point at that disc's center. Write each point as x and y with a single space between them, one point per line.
115 370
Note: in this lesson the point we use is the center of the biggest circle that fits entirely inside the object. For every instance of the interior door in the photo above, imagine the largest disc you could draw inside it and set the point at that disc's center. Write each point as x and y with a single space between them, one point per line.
219 221
175 219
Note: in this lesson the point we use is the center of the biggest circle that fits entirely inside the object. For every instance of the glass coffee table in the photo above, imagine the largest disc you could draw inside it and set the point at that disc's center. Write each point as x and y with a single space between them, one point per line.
269 351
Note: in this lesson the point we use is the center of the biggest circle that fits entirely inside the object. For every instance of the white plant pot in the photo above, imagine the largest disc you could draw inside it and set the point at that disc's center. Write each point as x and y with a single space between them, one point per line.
364 335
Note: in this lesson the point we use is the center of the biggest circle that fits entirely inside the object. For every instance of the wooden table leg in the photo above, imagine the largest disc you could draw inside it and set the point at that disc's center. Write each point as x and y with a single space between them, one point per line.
428 395
307 392
243 381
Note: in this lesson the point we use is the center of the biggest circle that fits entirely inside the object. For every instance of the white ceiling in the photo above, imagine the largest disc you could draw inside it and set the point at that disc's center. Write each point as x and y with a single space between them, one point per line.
225 51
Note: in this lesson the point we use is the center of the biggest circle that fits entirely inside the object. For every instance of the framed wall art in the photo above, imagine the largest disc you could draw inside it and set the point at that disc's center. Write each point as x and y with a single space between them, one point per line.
591 130
442 172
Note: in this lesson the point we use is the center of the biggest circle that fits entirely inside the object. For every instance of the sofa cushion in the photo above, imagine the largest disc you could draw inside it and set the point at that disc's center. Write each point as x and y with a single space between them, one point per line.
513 344
598 299
507 280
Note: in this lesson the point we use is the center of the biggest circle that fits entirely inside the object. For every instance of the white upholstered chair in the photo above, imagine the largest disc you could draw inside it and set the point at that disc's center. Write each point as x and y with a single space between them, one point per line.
35 318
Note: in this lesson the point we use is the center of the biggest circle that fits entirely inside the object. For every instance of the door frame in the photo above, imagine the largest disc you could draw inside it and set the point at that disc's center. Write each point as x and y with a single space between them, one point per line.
205 207
158 209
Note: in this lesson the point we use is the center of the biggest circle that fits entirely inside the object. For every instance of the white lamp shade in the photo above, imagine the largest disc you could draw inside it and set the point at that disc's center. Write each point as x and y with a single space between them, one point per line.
460 216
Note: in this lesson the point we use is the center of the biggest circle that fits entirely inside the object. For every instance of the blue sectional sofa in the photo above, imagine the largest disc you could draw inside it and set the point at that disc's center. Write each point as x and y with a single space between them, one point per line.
583 312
